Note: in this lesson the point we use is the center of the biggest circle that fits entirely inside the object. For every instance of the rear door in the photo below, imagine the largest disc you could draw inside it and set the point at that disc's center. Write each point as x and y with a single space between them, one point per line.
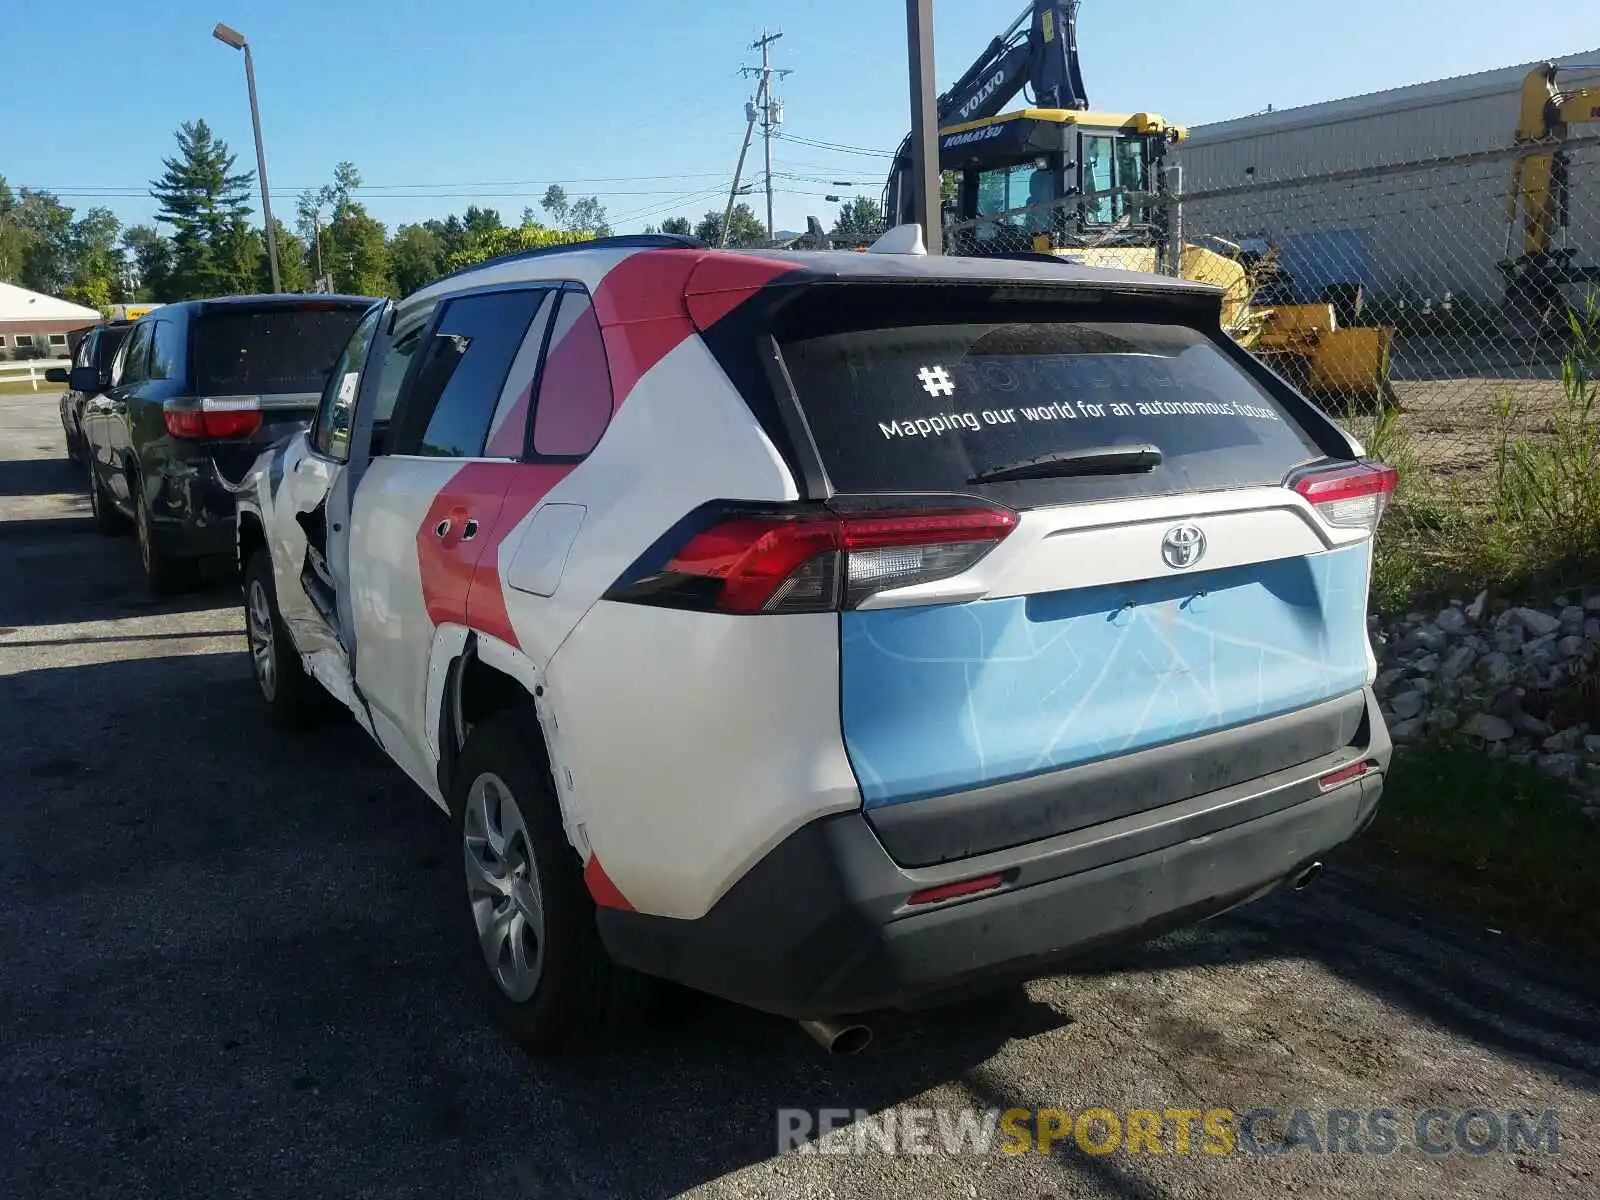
1133 606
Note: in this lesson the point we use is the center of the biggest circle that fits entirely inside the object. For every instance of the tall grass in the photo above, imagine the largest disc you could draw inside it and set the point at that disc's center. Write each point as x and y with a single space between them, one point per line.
1539 522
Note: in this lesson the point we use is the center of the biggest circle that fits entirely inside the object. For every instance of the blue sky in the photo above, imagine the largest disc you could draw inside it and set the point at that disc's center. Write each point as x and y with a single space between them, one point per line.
441 105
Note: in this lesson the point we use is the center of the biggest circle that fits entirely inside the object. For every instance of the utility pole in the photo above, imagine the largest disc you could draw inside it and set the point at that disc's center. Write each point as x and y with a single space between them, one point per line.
316 230
924 125
749 128
770 109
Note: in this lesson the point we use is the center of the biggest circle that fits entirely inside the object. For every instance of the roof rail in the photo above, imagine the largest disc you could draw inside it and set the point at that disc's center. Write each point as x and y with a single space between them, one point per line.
621 241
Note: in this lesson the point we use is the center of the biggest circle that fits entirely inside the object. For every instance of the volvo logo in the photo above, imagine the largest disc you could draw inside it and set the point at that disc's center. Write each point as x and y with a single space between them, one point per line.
1183 546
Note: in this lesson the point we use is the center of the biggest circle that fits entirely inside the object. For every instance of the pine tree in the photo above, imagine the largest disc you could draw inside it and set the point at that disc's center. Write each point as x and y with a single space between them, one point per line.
207 204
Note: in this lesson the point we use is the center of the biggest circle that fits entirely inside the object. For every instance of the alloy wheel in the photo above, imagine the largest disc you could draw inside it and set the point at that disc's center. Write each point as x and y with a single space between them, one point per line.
262 651
503 887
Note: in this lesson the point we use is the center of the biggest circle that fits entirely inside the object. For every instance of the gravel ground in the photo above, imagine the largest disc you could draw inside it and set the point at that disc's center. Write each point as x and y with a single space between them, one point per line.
224 971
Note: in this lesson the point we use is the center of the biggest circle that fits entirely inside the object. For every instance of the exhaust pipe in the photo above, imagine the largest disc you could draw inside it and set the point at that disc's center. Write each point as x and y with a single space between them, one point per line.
839 1036
1307 876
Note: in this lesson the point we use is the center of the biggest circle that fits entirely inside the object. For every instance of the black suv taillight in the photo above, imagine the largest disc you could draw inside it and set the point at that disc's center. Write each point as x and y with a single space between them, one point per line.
814 561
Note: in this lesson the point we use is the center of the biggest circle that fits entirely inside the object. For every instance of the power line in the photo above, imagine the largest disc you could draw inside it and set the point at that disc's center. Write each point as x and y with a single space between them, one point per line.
836 147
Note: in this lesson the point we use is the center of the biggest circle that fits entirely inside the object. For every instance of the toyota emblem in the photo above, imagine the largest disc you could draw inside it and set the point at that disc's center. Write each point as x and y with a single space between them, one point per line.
1183 546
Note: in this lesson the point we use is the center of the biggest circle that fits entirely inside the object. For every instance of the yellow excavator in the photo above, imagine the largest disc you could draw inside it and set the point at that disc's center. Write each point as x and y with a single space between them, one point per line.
1062 179
1538 200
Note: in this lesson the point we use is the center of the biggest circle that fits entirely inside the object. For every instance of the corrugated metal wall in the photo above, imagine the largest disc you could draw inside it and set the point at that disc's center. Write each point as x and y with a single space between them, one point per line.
1399 221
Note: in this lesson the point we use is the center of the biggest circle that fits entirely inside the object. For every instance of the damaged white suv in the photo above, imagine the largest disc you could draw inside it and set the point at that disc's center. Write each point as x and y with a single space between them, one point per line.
825 631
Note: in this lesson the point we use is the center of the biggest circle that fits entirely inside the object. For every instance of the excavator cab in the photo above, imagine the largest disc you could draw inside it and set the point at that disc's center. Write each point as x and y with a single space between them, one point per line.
1069 181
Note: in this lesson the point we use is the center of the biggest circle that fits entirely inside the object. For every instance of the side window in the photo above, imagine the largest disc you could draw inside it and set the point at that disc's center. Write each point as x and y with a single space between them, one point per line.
575 398
331 436
166 351
455 386
134 362
85 355
1099 206
508 431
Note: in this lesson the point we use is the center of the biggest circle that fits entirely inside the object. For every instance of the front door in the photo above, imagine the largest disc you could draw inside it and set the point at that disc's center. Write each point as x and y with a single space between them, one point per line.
308 511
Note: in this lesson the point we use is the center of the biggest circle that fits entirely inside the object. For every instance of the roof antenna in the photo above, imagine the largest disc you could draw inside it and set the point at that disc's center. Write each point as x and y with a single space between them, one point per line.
902 239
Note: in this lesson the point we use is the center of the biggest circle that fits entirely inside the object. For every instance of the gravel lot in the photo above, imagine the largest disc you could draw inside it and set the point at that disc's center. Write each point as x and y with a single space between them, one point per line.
224 972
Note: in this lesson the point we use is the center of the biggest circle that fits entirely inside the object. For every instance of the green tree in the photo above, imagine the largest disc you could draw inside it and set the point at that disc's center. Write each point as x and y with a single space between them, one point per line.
44 239
294 272
495 242
586 215
149 263
13 238
555 203
679 225
207 204
859 221
97 267
355 247
744 229
416 256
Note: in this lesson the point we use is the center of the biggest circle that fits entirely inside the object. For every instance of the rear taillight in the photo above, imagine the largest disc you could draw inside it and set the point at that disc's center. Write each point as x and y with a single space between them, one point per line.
1350 497
815 561
231 417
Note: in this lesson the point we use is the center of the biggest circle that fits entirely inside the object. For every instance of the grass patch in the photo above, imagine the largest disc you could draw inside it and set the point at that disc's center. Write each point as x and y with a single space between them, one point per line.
1533 526
21 387
1495 842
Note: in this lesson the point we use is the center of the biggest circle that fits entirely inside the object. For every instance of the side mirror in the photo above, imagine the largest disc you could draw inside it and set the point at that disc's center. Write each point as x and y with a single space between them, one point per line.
56 375
82 379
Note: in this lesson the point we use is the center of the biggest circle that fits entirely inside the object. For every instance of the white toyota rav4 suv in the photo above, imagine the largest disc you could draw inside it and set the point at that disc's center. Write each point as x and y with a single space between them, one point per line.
825 631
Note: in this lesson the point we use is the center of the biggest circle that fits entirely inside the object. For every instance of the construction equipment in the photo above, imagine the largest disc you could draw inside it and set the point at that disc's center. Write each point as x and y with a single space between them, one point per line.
1539 195
1055 175
1094 187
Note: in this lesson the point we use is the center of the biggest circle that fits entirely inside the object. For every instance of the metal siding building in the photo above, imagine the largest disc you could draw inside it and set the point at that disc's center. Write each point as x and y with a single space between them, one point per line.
1376 189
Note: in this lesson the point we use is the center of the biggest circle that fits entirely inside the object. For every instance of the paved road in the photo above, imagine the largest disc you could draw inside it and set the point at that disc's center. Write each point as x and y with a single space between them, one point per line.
224 971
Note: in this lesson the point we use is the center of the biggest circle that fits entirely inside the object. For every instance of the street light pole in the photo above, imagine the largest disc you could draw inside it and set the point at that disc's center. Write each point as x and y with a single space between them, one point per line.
232 37
924 125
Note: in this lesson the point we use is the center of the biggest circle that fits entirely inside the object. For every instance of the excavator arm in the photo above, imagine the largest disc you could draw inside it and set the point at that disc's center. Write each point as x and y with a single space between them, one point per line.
1539 179
1038 52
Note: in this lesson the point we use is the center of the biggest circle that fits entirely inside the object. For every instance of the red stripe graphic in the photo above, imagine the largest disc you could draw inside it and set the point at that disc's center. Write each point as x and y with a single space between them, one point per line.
605 893
722 282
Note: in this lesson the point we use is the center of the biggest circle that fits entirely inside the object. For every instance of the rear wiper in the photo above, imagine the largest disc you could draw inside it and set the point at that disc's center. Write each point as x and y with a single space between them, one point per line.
1096 460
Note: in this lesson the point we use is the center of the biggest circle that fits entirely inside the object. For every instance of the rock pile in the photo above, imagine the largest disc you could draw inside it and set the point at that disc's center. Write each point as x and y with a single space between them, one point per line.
1503 675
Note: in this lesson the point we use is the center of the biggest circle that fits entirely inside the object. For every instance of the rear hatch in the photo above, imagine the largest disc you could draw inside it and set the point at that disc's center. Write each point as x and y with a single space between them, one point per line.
1164 585
272 358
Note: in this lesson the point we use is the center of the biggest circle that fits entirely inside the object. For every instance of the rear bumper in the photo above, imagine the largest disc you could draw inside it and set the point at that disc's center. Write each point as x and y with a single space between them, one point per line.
820 926
192 513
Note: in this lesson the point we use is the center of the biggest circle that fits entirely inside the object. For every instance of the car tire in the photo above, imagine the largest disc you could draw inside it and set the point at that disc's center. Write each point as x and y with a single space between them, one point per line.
529 893
107 520
294 699
164 574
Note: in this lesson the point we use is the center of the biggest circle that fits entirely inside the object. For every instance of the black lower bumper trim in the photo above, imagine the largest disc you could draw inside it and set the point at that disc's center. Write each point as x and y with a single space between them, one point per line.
820 926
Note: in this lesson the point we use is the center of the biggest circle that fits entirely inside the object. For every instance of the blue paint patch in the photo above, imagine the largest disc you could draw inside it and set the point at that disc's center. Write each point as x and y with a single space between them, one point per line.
941 698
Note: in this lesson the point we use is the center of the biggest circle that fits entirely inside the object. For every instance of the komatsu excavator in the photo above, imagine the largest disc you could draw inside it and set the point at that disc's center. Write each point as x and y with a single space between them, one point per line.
1539 195
1060 178
1055 176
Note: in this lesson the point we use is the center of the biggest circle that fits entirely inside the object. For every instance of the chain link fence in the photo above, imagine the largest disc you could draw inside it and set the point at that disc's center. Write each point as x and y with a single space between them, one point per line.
1407 298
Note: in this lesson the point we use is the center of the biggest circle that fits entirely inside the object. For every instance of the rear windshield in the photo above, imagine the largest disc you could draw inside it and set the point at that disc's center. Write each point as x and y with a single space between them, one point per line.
270 351
106 345
930 407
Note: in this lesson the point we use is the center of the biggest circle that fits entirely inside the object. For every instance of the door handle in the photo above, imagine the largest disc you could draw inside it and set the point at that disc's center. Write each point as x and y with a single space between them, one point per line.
470 529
